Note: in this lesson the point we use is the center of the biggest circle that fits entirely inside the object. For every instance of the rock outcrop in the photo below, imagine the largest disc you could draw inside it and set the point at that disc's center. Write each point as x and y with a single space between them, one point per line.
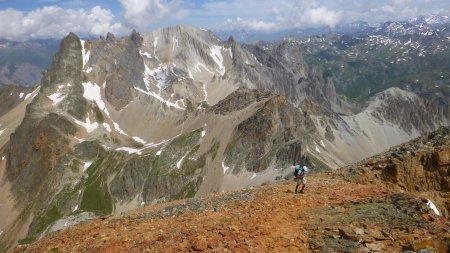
421 166
264 140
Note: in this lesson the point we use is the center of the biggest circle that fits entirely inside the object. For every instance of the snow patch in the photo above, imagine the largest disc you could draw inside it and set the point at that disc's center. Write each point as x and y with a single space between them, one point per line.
78 139
21 95
1 131
317 149
225 168
174 42
158 97
159 152
216 54
205 92
155 42
130 150
321 143
253 176
142 141
56 98
230 52
85 54
118 129
88 125
148 145
180 161
190 74
86 165
145 54
88 70
3 158
198 65
31 94
161 76
92 93
75 208
203 133
107 127
433 207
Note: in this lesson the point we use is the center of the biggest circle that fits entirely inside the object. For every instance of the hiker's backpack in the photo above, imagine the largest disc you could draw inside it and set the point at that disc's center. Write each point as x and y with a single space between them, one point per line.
299 171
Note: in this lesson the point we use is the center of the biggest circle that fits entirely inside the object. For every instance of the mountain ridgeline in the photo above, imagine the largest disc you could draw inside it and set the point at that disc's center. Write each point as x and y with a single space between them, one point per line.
412 55
120 123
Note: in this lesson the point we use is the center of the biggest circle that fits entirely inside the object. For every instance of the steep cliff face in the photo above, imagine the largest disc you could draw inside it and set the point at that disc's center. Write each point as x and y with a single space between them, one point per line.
266 139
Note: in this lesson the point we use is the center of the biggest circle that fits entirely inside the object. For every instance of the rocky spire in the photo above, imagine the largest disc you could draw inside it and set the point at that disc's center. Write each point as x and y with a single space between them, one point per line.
136 38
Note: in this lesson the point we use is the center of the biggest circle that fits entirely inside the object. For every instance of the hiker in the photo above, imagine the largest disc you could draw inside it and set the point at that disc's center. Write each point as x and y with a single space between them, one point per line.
299 173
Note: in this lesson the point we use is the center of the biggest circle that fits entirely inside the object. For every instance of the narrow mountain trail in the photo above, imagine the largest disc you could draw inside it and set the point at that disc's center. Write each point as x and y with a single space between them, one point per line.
269 218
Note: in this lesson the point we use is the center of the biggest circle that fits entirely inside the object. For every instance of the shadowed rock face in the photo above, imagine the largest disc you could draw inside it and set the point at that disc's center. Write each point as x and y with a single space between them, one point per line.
119 62
66 63
35 149
268 133
238 100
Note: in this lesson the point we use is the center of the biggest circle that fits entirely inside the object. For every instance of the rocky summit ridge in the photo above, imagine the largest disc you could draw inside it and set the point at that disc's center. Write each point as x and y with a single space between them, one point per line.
120 123
339 212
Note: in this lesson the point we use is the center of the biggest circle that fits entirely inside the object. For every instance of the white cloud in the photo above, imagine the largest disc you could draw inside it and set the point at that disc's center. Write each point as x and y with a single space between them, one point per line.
140 13
252 24
278 15
56 22
321 16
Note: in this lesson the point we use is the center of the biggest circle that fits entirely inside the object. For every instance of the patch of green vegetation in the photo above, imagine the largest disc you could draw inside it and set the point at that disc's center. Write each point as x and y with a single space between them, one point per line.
94 166
190 166
194 149
96 197
214 148
175 150
27 240
187 140
189 190
188 103
203 105
44 220
99 115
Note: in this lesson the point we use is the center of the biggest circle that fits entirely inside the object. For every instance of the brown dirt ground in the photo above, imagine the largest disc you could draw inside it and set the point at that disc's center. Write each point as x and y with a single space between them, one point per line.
275 220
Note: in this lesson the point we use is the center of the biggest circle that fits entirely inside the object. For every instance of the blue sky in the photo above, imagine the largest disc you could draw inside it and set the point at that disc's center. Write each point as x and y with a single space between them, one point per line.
29 19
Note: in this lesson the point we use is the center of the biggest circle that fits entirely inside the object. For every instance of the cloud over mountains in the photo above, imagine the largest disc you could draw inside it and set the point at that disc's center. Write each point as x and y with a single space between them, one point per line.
55 18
